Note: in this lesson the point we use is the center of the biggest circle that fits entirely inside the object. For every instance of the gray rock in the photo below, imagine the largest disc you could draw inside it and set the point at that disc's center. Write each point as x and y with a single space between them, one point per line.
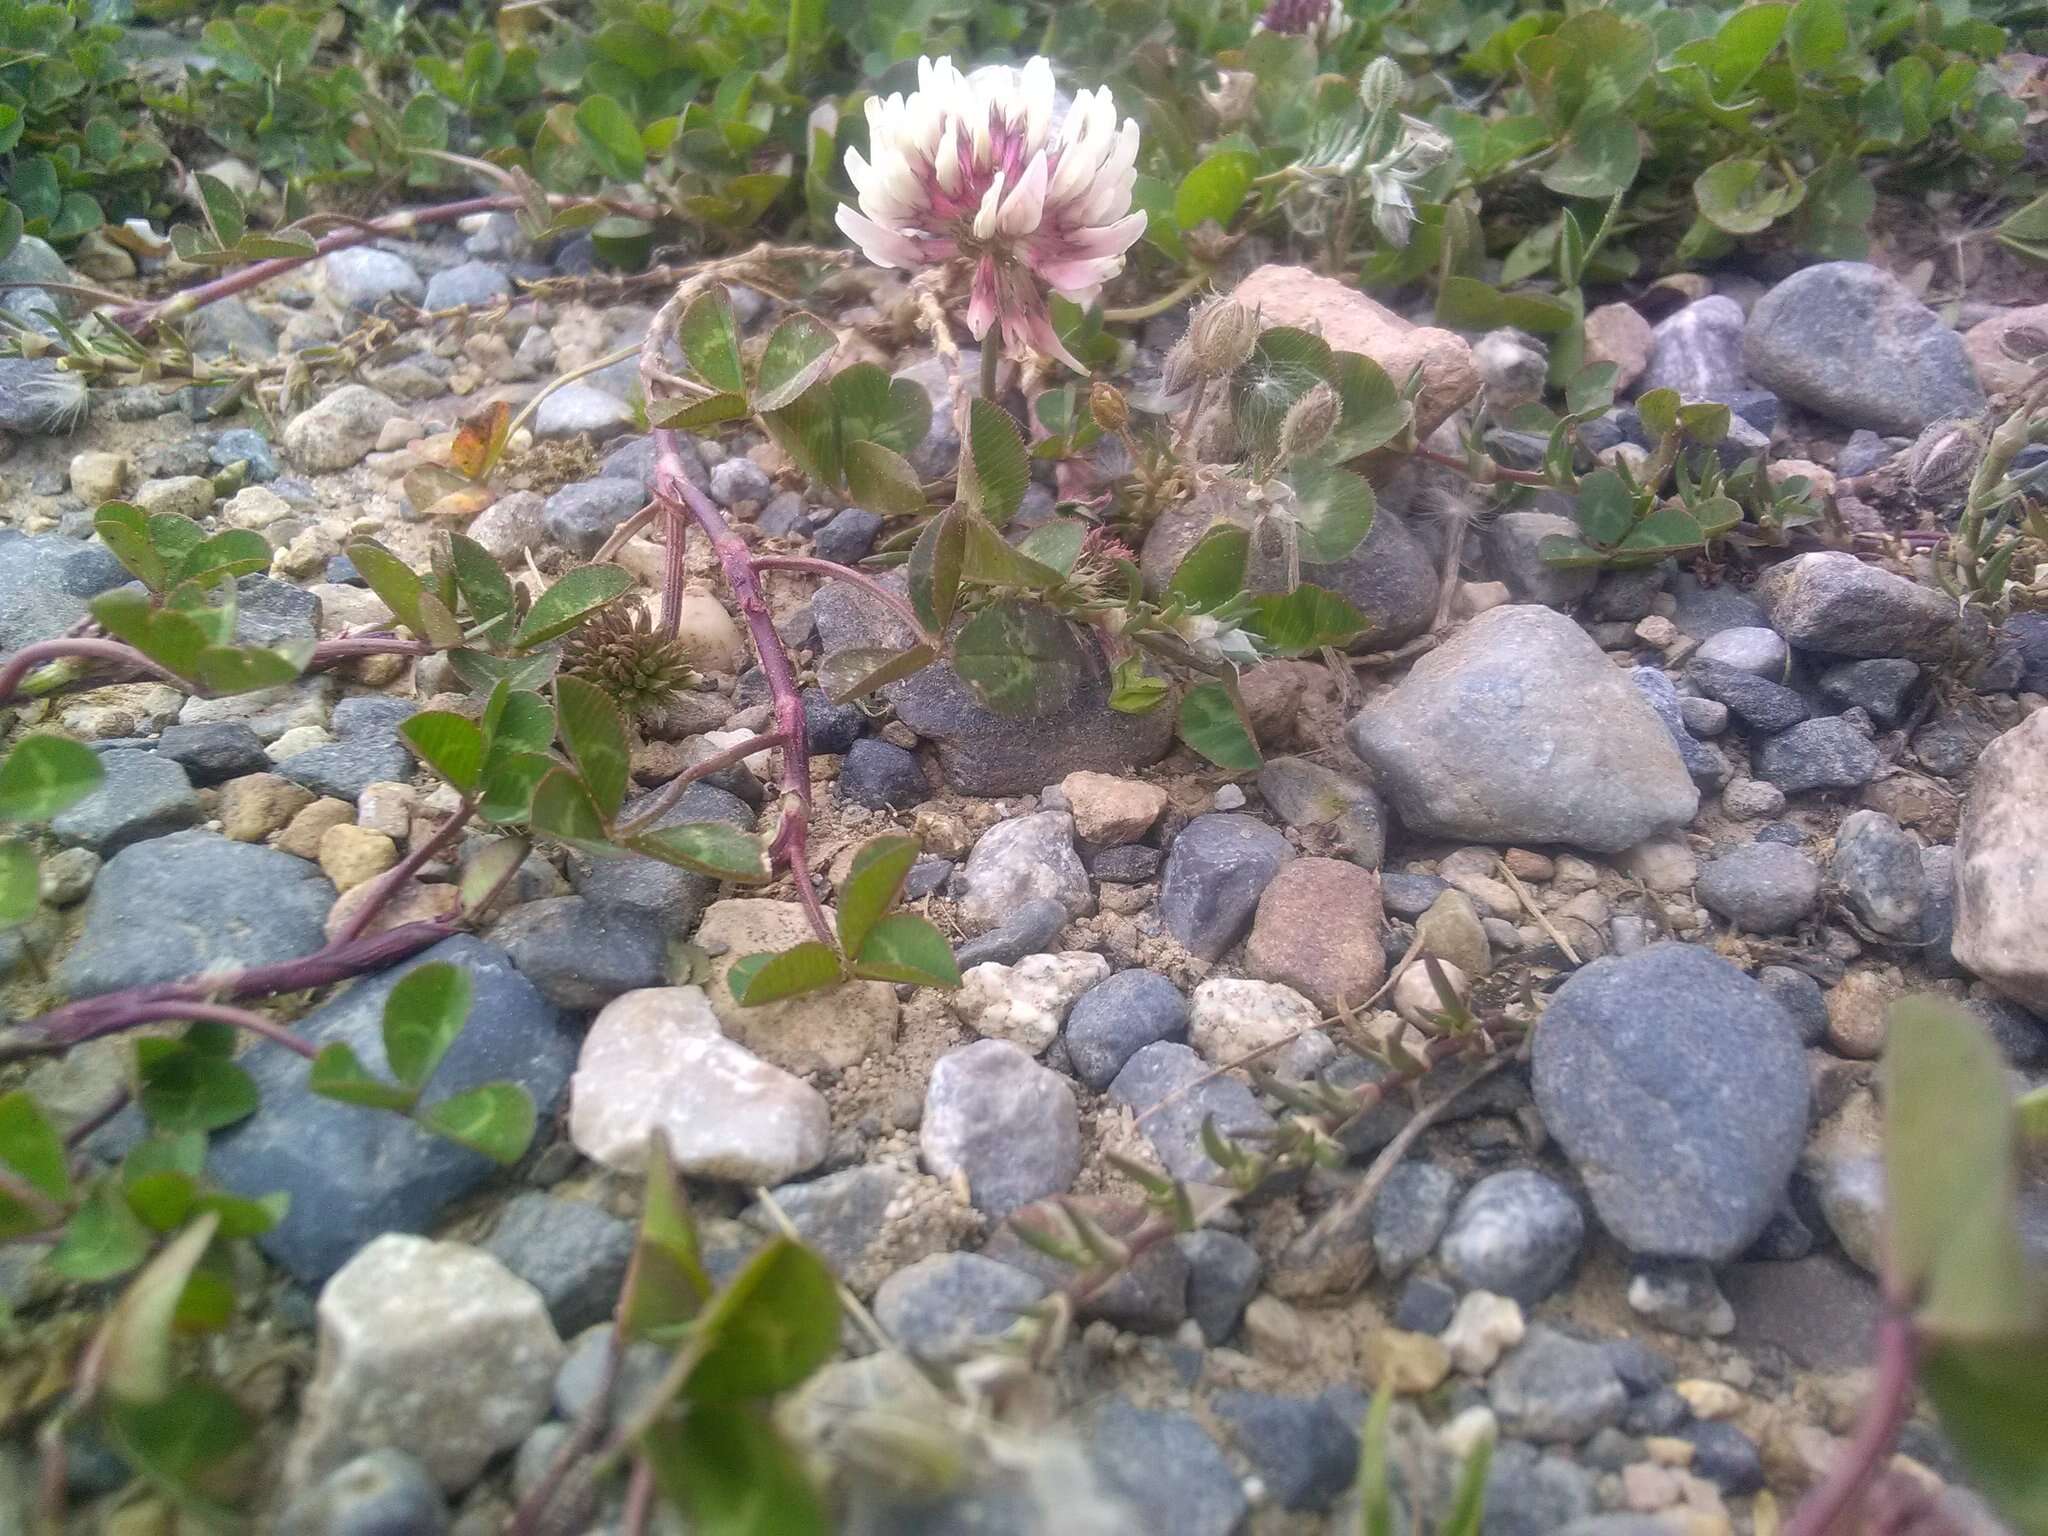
380 1493
44 581
1305 794
1828 753
841 1215
674 898
1748 648
1515 1233
1003 1122
1950 745
582 516
1302 1450
230 328
1409 896
981 752
1679 1296
578 409
214 751
352 1173
1032 929
581 954
2001 910
1412 1210
36 396
1175 1130
1849 341
941 1306
2022 1037
1552 1387
1216 870
1168 1468
882 776
193 902
739 479
345 768
1801 998
1760 704
2027 635
1513 549
1879 686
1627 595
1704 611
1877 865
1617 1525
1115 1019
361 277
143 795
1677 1087
939 454
1223 1276
1389 578
336 431
633 460
1019 860
1519 729
1725 1457
1833 602
474 284
1702 717
571 1251
35 260
1529 1493
1425 1305
1150 1295
1698 349
848 537
270 612
1760 887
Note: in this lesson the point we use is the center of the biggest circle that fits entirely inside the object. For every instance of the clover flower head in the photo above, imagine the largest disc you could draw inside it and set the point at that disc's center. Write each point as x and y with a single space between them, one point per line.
1322 21
975 169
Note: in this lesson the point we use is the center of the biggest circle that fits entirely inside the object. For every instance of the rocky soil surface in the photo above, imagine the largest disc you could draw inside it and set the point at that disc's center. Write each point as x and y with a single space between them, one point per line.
1712 823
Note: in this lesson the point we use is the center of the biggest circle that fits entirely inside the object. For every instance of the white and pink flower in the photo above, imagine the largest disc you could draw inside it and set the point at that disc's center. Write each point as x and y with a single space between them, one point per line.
972 168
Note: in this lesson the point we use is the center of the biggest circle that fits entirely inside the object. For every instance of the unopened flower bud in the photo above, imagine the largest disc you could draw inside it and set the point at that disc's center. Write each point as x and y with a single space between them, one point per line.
1382 85
1222 335
1309 421
1180 372
1940 463
1106 404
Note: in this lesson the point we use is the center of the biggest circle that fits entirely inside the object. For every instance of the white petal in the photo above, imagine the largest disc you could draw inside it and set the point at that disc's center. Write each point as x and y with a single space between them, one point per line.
985 216
884 247
1038 102
946 162
1025 206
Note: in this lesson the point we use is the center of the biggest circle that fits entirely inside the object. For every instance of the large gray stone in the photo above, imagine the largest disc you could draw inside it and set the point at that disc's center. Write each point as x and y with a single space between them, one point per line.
1849 341
1678 1088
1760 887
1697 350
1216 870
361 277
44 582
981 752
189 903
1555 1387
143 795
942 1306
1831 601
1008 1126
1172 1091
1168 1468
674 897
2001 919
354 1173
1024 859
581 517
1519 729
1877 864
1516 1233
1828 753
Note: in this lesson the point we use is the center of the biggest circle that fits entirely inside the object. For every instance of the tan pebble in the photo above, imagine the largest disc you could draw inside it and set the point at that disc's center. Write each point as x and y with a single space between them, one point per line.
1657 630
302 834
1648 1488
1465 1433
1857 1008
413 903
1410 1363
1669 1450
1108 810
258 804
1276 1332
350 854
1709 1399
1528 864
98 477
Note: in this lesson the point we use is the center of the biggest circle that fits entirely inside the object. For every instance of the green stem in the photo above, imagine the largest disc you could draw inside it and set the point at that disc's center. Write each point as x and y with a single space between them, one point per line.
991 359
1160 305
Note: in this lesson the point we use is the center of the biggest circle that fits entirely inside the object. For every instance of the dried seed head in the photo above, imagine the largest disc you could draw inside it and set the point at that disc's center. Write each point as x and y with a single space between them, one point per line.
1230 99
619 650
1180 372
1108 406
1223 334
1382 85
1309 421
1940 463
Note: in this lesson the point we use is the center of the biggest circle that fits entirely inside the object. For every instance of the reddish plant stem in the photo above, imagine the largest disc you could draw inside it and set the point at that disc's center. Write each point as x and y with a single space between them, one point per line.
672 791
91 1017
139 317
639 1500
1891 1399
29 657
672 487
581 1439
393 879
220 1013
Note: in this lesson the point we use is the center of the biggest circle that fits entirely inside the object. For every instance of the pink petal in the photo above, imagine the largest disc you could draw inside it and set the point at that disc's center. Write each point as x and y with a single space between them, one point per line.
884 247
981 306
1025 205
